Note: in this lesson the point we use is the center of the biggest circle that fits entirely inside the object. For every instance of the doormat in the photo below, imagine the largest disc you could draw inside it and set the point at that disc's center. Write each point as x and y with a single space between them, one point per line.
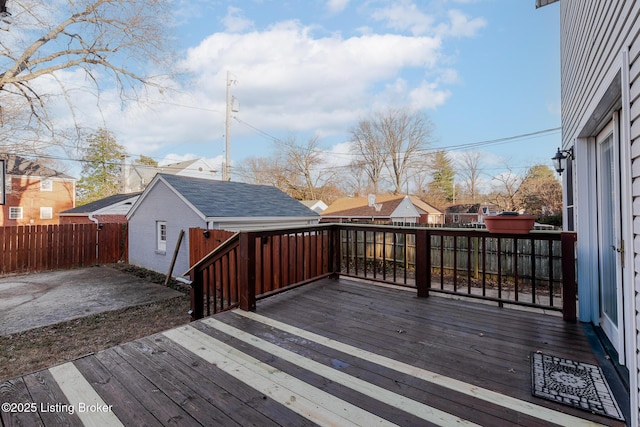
576 384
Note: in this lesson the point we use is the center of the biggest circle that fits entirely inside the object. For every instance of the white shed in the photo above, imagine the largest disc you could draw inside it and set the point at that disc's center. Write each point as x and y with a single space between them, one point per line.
172 203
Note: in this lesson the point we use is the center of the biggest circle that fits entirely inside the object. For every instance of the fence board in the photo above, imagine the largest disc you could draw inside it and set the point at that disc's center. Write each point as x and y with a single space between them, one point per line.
29 248
201 245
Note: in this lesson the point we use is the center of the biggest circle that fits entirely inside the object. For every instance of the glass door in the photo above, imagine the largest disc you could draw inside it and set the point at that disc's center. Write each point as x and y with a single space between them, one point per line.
611 245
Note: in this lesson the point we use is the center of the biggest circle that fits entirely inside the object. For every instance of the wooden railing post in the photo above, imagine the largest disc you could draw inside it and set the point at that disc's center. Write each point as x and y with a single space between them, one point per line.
569 290
247 284
423 262
197 296
334 251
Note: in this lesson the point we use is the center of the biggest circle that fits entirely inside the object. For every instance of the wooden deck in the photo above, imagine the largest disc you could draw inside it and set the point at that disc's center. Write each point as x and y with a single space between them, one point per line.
330 353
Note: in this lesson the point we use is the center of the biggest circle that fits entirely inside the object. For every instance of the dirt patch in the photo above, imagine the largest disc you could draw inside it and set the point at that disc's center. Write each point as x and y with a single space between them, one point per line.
39 348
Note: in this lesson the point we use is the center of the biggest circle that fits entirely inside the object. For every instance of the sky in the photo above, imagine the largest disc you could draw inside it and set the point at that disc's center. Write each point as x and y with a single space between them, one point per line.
481 70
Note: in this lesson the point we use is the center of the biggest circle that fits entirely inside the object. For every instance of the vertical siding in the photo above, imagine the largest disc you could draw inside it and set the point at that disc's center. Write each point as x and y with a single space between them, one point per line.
594 34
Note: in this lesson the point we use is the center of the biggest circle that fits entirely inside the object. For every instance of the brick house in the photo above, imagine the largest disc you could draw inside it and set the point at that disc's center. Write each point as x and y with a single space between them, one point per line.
34 193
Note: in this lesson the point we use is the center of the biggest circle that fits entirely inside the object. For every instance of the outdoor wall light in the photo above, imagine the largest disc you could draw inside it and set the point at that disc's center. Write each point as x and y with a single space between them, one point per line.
5 15
205 233
560 157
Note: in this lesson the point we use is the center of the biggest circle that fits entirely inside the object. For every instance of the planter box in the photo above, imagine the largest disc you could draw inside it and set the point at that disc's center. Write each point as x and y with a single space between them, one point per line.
509 224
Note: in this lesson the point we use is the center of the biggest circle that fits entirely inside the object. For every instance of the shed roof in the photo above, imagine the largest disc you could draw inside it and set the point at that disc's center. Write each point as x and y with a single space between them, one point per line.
235 199
100 204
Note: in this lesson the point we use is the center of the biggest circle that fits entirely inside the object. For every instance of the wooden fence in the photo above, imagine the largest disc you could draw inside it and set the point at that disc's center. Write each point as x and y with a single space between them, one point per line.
33 248
202 242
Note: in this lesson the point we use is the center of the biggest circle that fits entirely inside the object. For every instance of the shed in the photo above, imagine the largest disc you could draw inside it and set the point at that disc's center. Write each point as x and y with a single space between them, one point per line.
172 203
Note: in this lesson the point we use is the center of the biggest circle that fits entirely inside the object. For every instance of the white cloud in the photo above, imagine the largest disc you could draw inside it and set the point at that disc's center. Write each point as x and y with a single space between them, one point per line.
427 95
235 22
405 16
461 25
288 80
336 6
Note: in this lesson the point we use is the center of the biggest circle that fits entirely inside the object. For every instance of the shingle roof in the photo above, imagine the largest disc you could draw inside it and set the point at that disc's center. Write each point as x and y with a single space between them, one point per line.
20 166
100 204
236 199
359 206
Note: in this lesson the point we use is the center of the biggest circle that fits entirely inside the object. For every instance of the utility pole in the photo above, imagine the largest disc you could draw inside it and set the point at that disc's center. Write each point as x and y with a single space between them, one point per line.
226 176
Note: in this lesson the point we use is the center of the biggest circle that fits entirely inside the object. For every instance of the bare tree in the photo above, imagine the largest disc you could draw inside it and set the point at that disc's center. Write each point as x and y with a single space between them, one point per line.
391 139
111 41
268 171
470 173
355 181
405 136
304 161
297 169
505 190
369 149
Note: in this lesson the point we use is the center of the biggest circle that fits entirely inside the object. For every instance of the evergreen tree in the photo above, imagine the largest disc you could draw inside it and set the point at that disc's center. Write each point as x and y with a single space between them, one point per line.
441 188
101 169
147 161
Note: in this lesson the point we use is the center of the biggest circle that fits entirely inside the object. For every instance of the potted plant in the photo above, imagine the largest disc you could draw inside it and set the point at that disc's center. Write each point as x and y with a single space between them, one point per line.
509 223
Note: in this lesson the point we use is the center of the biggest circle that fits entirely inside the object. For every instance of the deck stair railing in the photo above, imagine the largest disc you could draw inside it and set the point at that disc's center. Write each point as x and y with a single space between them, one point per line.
533 270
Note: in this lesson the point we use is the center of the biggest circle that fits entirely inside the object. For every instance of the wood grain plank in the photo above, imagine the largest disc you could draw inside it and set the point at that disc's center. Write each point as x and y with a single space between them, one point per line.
163 408
89 406
425 375
126 405
147 360
15 391
318 406
431 394
240 399
55 409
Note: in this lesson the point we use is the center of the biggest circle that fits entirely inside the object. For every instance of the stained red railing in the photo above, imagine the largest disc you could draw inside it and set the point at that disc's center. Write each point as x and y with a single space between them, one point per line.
535 270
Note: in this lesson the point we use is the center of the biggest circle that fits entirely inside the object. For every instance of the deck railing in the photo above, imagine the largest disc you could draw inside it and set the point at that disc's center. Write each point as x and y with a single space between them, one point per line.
534 270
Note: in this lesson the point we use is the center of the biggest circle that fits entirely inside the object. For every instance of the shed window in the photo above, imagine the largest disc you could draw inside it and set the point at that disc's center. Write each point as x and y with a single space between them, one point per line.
161 236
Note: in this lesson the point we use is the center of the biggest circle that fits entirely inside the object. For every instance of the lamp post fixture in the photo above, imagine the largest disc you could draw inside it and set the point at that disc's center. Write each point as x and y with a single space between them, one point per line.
560 157
5 15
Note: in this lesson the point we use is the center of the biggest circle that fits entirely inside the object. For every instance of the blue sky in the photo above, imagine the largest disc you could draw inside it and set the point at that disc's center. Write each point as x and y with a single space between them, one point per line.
480 69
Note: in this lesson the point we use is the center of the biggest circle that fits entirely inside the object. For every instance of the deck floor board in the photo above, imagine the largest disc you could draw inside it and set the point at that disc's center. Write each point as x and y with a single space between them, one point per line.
460 353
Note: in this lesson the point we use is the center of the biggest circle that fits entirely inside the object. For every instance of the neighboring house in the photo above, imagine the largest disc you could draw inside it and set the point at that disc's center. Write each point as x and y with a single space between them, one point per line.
35 194
136 177
600 72
172 203
462 214
469 214
386 209
110 209
318 206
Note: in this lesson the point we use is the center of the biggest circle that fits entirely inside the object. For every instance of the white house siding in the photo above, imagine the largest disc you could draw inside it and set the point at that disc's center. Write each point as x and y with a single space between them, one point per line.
161 204
595 35
252 224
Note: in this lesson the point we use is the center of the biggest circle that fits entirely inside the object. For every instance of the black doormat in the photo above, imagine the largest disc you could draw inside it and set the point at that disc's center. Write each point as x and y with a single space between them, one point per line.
576 384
